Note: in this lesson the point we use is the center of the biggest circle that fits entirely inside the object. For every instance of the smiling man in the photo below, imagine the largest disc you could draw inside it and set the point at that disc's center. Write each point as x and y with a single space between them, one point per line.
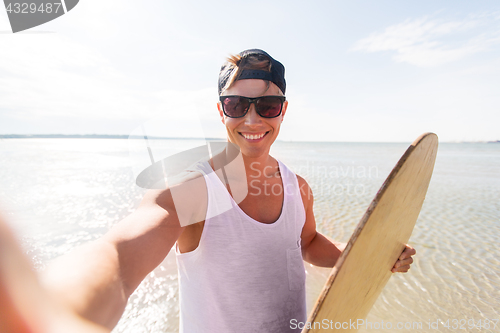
242 270
240 258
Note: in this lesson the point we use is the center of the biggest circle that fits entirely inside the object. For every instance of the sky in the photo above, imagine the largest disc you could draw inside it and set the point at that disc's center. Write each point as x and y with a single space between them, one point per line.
358 71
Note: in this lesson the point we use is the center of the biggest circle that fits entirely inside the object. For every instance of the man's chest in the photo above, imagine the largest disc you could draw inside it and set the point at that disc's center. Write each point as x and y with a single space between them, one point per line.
265 199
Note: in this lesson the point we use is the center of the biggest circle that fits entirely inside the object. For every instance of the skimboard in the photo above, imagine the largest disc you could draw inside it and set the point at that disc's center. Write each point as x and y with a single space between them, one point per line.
365 265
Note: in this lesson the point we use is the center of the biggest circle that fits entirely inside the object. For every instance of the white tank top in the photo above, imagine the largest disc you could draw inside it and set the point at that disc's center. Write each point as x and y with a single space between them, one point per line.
244 276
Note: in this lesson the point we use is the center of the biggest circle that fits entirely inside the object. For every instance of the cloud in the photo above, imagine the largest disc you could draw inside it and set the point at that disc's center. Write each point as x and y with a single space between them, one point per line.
49 75
427 42
46 74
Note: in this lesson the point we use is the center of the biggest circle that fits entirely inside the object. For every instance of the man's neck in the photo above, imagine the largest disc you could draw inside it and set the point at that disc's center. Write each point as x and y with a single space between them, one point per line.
256 167
240 166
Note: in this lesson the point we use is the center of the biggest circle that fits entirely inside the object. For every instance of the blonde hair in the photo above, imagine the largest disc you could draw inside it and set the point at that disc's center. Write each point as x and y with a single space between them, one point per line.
252 61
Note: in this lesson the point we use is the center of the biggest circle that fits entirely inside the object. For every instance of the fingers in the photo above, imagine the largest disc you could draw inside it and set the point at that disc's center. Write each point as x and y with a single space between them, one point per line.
408 252
404 260
402 266
402 269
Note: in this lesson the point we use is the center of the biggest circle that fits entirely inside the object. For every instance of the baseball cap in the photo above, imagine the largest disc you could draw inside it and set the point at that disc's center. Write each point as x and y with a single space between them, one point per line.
276 75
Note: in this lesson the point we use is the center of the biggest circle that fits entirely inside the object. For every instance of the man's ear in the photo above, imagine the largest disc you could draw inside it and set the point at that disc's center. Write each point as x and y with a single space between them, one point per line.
283 111
221 113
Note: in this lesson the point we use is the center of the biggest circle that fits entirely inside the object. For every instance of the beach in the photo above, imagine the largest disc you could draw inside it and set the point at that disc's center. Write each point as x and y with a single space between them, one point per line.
61 193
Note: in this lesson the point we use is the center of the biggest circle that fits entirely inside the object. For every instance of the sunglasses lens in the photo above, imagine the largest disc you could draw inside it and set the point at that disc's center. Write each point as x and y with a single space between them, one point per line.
266 106
269 107
235 106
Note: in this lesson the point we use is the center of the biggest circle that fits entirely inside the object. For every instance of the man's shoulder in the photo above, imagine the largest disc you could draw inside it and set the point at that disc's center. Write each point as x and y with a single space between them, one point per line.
181 189
184 178
305 190
301 180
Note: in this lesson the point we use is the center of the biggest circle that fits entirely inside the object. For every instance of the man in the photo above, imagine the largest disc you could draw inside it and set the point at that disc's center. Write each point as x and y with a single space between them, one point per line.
239 256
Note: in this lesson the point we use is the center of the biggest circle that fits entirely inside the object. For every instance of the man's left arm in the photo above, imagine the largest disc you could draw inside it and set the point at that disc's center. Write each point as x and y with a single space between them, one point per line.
321 251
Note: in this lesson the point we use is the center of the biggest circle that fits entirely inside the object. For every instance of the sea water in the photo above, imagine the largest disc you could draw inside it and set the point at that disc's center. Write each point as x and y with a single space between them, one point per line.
61 193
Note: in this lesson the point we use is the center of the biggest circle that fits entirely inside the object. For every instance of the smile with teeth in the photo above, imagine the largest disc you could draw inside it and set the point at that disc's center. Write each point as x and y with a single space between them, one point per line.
253 136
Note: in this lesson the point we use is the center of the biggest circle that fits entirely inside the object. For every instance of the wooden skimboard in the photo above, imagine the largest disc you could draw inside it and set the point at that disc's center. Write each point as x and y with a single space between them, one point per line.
365 266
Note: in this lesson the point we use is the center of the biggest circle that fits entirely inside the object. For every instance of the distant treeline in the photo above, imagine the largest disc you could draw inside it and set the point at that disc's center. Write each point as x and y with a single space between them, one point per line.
92 136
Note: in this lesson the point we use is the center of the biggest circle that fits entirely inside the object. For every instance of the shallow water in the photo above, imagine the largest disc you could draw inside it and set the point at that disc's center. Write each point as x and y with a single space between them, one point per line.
60 193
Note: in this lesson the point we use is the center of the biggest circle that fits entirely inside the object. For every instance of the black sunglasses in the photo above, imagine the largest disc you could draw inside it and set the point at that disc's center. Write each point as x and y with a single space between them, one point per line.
238 106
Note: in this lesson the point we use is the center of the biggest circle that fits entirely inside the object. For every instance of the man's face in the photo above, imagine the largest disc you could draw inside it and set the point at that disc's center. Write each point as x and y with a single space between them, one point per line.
252 133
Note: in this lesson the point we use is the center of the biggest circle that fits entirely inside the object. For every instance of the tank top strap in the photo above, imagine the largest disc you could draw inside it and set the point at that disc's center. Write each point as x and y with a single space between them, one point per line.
203 167
219 199
295 205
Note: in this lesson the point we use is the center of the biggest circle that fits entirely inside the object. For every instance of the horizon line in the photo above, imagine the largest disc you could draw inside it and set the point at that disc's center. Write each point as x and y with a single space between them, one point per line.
122 136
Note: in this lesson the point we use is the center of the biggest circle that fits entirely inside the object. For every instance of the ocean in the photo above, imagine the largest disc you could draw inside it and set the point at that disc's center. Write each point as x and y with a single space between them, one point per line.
61 193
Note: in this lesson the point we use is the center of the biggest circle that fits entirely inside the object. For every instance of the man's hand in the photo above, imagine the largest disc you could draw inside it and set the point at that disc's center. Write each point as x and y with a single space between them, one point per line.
404 260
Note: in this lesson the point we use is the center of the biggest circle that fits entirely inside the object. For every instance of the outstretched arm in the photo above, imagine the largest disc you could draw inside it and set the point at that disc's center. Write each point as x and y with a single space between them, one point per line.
96 279
87 289
25 305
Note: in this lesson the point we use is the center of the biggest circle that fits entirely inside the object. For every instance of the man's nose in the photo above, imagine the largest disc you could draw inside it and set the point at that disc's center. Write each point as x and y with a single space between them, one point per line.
252 117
